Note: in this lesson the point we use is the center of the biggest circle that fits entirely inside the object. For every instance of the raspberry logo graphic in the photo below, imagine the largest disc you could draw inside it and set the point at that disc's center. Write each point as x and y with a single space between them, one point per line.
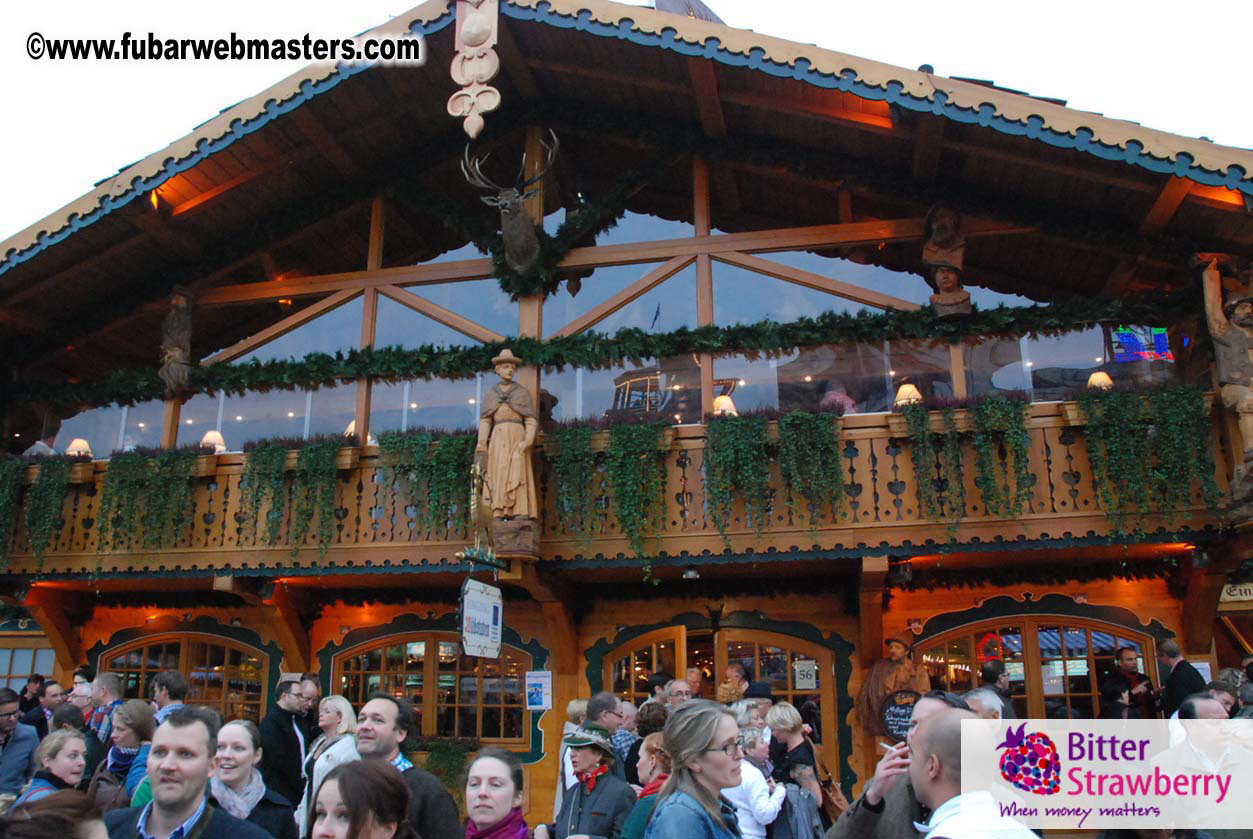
1030 762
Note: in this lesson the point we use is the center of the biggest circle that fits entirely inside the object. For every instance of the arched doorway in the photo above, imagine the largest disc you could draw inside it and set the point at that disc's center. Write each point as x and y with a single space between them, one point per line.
783 661
1055 663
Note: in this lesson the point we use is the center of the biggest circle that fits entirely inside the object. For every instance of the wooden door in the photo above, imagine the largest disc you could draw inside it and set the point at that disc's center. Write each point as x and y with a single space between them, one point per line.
628 666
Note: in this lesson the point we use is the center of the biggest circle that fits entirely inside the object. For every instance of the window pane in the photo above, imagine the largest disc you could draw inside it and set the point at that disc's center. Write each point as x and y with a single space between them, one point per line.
595 288
513 723
45 661
663 309
622 675
1050 642
640 227
666 661
491 722
1053 676
6 656
926 366
415 656
773 663
333 409
467 722
479 301
255 416
98 426
742 297
995 365
670 388
1102 643
449 404
1076 641
22 660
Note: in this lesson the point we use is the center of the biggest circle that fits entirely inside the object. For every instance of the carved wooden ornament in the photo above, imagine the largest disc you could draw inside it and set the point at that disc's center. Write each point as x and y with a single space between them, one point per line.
475 63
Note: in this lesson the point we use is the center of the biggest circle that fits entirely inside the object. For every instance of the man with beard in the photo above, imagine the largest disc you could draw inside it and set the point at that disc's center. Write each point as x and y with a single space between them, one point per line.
1141 697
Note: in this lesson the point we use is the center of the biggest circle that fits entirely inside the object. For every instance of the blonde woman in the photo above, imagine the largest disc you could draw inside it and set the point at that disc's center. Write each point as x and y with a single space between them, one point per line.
62 761
797 763
335 745
703 742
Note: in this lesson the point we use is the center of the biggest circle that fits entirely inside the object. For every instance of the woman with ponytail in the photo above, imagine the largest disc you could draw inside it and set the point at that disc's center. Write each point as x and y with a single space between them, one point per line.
653 768
703 742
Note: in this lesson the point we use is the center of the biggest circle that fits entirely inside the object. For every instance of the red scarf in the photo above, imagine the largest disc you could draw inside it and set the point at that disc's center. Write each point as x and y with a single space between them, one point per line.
654 786
511 826
589 778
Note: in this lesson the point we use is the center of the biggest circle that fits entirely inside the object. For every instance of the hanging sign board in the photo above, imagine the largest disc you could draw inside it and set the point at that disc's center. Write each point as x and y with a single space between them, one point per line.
805 674
896 712
482 618
1237 593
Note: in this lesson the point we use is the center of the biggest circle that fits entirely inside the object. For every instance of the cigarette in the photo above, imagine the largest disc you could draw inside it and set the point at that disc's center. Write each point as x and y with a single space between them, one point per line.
886 747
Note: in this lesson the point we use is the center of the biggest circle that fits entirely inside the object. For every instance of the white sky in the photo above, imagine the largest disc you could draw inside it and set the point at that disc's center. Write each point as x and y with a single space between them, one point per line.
1176 67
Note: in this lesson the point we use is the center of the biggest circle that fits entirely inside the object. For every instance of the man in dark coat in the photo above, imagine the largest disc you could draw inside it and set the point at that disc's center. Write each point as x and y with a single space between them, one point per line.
283 743
178 768
384 723
17 743
1126 675
1181 679
51 696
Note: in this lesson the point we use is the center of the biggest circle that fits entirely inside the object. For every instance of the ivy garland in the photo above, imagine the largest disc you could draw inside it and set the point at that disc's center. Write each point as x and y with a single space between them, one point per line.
448 483
736 463
11 471
925 455
315 482
44 503
168 504
126 481
568 450
636 470
954 481
810 461
1181 444
1001 421
404 456
599 351
263 484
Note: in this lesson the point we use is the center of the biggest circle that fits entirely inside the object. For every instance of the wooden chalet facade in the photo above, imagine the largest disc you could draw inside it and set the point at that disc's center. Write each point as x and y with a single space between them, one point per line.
774 181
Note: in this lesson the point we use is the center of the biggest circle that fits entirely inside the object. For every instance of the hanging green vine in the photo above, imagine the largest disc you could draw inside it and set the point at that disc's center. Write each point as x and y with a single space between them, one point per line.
11 472
264 483
736 464
1117 440
636 470
954 479
568 450
44 503
1001 421
925 455
168 504
405 456
1181 448
314 494
448 483
811 463
126 481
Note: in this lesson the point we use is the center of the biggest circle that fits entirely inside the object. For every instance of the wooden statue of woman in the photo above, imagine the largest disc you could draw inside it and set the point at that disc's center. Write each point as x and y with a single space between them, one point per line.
507 428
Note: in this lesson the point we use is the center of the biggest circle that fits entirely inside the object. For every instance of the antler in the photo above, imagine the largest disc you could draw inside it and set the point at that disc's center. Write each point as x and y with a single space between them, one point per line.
551 154
472 169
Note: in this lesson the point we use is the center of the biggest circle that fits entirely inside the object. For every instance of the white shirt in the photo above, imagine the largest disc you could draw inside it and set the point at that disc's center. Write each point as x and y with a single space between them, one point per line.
974 814
755 805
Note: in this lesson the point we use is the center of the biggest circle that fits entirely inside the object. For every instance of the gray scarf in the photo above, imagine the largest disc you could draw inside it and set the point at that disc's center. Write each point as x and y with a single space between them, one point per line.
238 804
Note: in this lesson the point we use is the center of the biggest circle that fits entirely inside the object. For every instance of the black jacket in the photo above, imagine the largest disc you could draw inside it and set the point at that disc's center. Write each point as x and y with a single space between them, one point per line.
600 813
281 754
1183 681
432 812
274 814
35 719
124 824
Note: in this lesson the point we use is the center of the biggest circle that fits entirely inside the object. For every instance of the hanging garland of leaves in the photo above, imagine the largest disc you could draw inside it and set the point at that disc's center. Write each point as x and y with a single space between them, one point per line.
263 484
1001 421
168 503
448 483
953 476
315 481
599 351
568 450
925 455
44 502
736 464
1117 440
635 467
404 456
811 463
1181 445
11 471
125 482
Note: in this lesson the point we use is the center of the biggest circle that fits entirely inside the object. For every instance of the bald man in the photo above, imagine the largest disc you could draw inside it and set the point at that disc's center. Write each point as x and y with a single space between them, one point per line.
935 751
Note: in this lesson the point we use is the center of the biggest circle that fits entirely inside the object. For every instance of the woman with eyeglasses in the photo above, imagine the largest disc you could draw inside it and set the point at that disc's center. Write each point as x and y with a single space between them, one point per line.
596 806
653 768
703 742
758 798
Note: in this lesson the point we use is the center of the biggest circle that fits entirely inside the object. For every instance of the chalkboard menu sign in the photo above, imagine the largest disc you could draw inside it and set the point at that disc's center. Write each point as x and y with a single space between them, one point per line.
896 712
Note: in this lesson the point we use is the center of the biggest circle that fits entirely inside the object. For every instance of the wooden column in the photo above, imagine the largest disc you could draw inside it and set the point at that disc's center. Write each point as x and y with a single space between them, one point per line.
169 423
369 317
48 608
531 309
1205 587
704 279
281 615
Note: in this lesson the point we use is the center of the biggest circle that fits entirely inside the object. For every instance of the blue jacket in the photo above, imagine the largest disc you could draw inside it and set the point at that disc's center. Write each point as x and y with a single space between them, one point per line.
680 816
15 759
138 770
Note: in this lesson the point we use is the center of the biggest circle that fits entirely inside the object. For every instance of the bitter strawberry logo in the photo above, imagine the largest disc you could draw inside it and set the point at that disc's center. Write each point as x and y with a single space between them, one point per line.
1030 762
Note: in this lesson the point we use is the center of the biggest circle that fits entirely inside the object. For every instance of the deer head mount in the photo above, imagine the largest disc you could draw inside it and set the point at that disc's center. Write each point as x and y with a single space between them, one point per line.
516 227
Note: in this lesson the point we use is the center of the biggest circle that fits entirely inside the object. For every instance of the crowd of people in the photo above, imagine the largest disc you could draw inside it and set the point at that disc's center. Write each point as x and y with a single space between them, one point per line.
88 764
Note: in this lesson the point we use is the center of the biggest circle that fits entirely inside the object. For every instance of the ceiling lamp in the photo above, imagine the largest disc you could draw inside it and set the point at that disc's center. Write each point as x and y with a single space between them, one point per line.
1100 380
907 394
78 447
213 439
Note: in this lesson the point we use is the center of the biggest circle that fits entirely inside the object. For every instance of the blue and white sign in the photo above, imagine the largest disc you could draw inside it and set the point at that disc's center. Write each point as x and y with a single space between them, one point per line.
482 618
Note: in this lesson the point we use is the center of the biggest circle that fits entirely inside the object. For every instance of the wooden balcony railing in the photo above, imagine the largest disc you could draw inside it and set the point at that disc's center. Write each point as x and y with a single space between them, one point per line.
375 525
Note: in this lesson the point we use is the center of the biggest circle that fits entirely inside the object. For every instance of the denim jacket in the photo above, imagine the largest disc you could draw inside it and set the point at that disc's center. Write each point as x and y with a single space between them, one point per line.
680 816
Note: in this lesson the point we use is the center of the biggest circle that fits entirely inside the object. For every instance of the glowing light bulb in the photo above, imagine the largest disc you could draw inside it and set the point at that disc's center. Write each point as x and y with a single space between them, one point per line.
291 414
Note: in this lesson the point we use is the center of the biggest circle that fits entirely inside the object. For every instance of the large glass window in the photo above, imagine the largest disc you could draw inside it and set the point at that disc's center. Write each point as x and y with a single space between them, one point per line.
1055 665
228 677
453 695
670 389
19 663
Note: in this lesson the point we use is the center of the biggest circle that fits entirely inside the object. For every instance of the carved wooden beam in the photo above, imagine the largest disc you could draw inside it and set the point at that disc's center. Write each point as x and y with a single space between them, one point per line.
1165 205
635 290
282 617
874 572
281 328
439 314
49 608
475 63
713 121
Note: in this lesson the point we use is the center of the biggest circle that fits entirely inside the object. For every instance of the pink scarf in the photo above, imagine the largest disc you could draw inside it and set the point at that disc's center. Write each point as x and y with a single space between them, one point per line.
511 826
